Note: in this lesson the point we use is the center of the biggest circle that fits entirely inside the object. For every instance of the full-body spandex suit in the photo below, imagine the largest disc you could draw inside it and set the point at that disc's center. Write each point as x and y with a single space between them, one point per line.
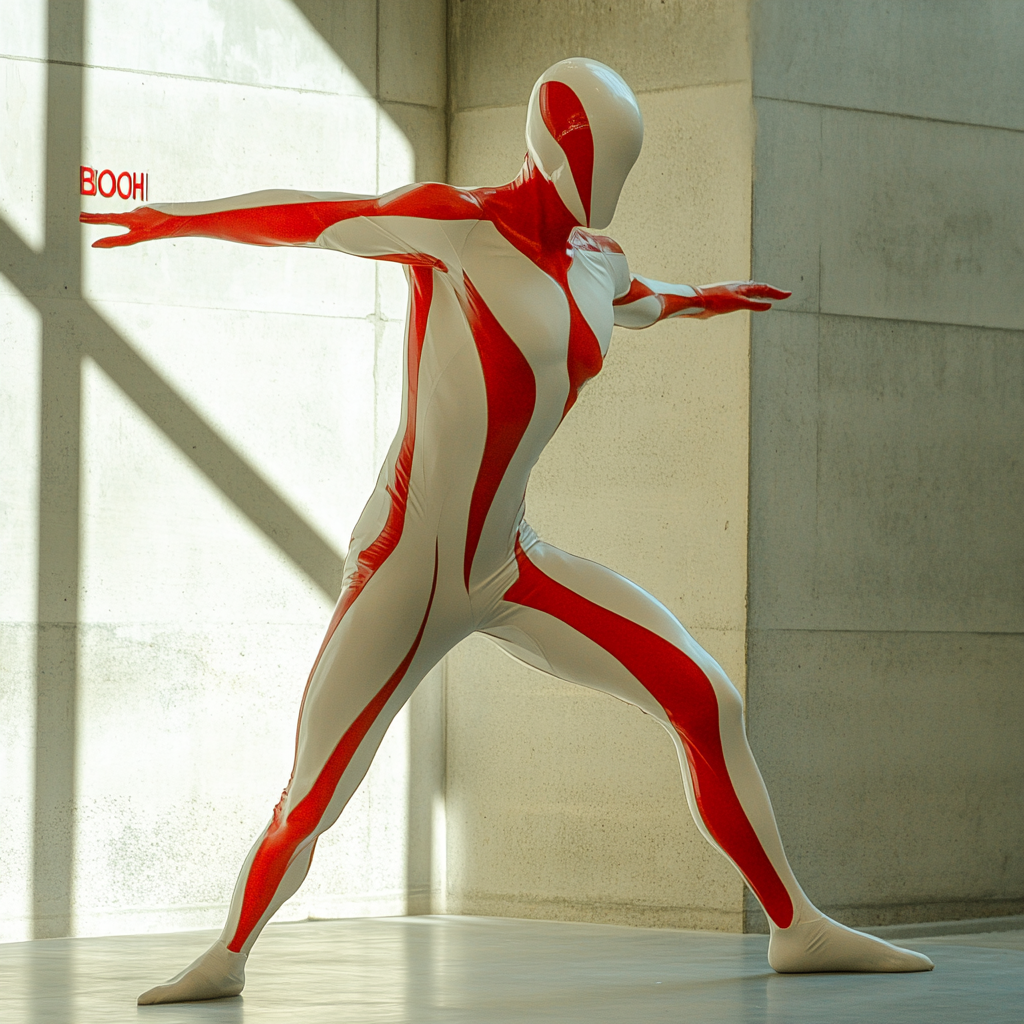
512 304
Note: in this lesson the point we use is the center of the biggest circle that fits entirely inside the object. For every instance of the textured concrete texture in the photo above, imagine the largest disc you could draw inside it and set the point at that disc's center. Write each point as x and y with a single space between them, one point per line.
887 483
499 47
894 763
489 971
190 431
870 214
886 565
947 60
564 803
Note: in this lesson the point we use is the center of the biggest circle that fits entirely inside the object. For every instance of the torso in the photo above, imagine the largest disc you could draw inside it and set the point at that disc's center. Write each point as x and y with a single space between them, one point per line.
500 341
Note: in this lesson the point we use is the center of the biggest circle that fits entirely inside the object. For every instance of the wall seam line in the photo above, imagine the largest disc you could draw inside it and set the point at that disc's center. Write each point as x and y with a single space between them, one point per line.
183 77
904 320
891 113
636 92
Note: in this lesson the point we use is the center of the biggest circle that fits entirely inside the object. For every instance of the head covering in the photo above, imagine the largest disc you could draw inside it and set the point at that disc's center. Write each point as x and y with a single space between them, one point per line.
584 131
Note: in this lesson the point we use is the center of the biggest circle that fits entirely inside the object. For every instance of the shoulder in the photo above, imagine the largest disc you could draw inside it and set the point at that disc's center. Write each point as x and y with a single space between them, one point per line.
589 240
607 249
430 199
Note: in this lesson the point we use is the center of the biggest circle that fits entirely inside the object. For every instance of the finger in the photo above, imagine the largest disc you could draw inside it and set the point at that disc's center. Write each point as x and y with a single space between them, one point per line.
758 307
117 219
756 290
113 241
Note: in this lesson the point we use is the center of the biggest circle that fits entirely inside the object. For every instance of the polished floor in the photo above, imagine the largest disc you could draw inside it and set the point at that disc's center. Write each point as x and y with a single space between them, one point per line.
464 970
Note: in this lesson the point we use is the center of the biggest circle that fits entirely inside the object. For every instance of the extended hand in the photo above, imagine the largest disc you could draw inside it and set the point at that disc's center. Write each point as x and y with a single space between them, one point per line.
730 296
144 224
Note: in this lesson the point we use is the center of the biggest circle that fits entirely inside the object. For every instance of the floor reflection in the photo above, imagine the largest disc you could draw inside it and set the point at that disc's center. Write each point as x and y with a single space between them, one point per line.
464 970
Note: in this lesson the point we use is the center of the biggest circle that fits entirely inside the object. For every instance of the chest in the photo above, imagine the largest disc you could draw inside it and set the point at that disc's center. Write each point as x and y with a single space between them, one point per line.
554 307
593 279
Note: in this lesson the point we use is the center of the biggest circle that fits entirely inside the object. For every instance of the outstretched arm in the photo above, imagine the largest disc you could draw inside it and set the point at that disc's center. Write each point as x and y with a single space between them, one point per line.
648 301
401 226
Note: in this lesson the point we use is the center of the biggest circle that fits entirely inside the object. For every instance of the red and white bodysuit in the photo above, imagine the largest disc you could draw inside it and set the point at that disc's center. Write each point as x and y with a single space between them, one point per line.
512 304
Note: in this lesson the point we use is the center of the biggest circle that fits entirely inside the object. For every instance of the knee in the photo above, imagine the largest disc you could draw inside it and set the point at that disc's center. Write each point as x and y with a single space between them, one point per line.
703 699
730 702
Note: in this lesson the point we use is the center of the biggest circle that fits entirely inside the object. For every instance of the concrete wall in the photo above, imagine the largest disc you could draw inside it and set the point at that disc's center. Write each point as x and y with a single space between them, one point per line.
563 803
189 431
886 480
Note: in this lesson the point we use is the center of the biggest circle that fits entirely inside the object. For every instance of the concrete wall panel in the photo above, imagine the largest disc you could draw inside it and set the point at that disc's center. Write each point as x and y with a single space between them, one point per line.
308 400
22 148
946 60
921 221
261 42
885 564
23 28
887 483
19 457
425 130
413 52
17 699
894 762
501 48
19 484
787 215
488 145
890 217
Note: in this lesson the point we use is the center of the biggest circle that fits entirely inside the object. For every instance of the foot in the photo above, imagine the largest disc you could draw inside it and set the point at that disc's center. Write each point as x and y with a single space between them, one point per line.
821 944
216 974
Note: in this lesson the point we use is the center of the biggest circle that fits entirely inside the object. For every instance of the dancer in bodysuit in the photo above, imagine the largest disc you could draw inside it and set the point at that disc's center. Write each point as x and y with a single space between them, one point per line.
512 303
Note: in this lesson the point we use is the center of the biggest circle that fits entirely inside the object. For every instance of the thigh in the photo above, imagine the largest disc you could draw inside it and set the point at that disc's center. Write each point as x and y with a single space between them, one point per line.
375 654
584 623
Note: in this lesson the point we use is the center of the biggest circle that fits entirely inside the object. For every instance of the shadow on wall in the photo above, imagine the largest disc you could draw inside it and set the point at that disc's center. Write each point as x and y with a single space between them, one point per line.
72 329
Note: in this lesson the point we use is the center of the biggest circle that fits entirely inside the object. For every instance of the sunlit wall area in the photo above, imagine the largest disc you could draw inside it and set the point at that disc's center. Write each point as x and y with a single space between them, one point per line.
221 412
19 427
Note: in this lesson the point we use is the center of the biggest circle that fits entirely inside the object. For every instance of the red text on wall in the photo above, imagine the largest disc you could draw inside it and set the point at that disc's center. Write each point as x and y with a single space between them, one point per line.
107 183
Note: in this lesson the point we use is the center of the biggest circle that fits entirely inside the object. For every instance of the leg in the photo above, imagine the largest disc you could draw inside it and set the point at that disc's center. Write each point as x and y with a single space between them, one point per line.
368 667
584 623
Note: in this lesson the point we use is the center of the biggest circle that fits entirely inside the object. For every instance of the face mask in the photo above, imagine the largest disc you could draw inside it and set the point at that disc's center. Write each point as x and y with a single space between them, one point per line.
584 131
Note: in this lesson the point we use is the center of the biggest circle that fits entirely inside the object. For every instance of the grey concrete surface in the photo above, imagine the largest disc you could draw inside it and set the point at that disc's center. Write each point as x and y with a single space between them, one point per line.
886 478
893 760
412 55
498 48
425 128
886 560
479 970
945 59
787 209
868 214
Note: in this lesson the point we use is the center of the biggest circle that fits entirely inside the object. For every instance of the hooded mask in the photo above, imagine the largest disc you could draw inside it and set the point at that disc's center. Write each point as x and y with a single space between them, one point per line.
584 131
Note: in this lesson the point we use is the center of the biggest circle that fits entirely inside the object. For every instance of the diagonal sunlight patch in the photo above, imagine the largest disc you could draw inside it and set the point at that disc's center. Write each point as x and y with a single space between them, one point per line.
217 96
214 457
241 483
